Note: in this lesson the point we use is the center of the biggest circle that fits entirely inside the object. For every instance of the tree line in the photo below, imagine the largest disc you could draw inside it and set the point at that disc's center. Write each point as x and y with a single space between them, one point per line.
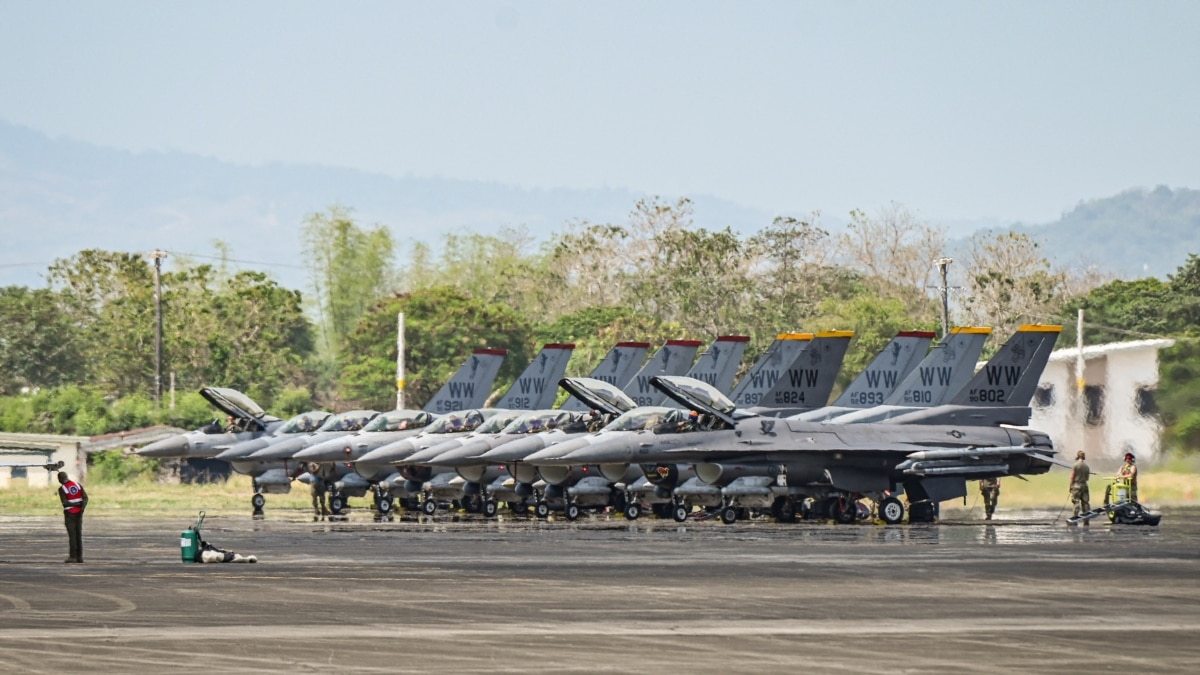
78 356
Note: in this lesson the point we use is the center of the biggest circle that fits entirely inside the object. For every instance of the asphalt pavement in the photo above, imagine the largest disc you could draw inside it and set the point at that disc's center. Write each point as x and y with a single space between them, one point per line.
1026 593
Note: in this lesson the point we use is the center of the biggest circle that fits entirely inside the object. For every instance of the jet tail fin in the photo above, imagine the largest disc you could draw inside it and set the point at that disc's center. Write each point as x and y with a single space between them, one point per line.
673 358
887 370
537 386
809 379
1011 376
470 386
719 363
769 368
616 368
944 370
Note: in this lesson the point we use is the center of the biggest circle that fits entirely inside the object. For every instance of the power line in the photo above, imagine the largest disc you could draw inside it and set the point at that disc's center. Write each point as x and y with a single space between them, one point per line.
236 260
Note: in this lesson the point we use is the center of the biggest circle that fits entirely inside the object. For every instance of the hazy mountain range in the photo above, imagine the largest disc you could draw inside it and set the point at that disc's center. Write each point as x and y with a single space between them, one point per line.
58 197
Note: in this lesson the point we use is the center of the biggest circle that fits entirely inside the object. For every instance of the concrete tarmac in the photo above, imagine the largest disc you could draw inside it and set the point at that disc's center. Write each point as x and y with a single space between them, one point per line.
1025 594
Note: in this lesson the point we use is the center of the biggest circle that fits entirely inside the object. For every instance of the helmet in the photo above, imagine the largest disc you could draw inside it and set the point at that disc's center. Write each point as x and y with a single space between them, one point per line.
693 416
1129 457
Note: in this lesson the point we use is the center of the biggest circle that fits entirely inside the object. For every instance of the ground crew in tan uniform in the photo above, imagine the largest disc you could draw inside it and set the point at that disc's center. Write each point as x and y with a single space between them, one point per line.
318 489
1079 486
1129 470
74 500
990 489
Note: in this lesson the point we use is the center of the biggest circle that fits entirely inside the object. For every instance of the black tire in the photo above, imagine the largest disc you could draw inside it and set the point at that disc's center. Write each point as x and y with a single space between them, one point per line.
844 510
384 505
680 513
542 510
729 515
429 507
891 511
472 503
572 512
633 511
489 509
258 501
337 504
518 508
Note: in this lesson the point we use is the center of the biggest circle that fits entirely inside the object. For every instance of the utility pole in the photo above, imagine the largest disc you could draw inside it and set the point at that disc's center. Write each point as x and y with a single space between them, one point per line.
400 362
943 264
158 256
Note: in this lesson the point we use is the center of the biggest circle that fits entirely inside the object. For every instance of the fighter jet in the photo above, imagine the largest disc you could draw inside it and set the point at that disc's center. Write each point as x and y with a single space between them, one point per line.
620 363
604 402
247 421
1020 361
272 467
533 389
461 456
810 376
830 464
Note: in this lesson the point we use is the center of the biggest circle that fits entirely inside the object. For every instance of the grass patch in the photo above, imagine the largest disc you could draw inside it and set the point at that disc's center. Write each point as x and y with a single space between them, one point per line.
143 497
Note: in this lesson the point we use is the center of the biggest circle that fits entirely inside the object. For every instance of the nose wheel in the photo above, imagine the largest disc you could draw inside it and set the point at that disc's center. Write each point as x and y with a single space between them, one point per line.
257 502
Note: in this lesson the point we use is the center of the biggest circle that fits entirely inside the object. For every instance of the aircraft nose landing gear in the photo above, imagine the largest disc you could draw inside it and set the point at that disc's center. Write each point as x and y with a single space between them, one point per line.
257 502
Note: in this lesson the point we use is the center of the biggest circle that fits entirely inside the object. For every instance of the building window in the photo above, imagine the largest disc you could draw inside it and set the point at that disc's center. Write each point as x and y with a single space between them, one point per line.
1147 405
1094 396
1044 396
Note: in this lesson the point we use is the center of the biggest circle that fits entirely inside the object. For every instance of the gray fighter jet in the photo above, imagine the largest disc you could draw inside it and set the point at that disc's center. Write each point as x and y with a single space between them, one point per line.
832 465
619 364
247 421
268 460
533 389
602 398
809 377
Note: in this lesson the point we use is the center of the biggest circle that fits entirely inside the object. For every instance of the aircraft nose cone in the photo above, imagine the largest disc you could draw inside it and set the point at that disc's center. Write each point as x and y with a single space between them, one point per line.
175 446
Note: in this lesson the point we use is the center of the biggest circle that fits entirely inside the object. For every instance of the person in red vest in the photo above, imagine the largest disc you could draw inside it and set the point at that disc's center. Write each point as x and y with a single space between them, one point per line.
74 500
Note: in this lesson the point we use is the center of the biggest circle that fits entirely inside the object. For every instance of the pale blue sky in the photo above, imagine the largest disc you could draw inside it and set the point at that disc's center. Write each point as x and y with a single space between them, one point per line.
1009 110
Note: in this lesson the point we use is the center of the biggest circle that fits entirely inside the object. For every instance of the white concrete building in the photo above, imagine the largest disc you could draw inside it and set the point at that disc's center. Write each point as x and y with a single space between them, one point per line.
41 449
1112 410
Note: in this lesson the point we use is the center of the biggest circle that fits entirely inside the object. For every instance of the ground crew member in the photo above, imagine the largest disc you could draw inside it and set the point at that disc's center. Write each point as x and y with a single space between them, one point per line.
74 500
318 490
1129 470
1079 486
990 489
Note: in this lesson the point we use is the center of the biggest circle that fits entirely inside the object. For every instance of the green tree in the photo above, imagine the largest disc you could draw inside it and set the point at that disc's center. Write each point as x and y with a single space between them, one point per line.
109 299
443 326
38 347
350 268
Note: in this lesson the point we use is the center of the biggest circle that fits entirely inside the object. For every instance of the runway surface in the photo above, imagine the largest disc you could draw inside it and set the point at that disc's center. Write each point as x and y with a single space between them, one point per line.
1025 594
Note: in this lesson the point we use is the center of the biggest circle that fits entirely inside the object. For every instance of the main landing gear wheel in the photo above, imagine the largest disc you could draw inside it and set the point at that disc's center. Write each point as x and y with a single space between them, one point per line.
729 515
784 510
258 502
384 505
572 512
891 511
633 510
679 513
429 507
337 504
489 509
542 510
